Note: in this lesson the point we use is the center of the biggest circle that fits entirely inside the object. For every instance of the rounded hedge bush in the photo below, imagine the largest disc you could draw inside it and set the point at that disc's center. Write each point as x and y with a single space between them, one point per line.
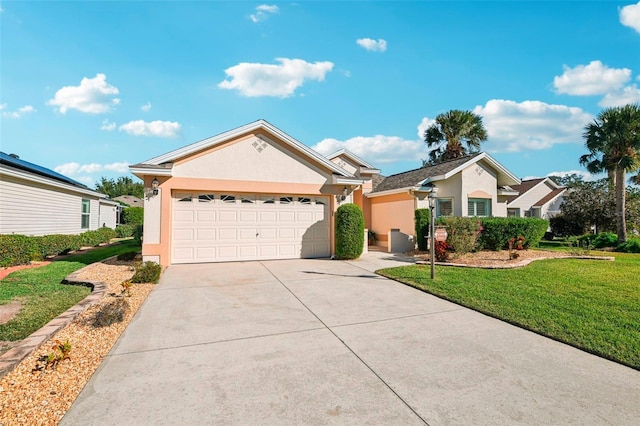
349 231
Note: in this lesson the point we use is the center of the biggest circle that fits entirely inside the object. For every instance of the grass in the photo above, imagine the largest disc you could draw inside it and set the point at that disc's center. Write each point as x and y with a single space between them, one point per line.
593 305
41 293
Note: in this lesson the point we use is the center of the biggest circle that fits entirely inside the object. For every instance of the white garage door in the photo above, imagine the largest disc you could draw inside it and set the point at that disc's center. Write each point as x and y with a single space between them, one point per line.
216 227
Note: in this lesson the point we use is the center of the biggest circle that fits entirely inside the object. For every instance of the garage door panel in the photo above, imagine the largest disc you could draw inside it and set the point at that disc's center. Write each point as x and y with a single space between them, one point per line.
228 216
206 216
286 217
183 216
183 234
227 234
205 234
227 227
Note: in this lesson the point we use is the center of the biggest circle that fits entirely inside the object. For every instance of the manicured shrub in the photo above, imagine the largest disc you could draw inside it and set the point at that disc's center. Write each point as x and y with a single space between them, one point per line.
497 231
17 250
133 215
632 245
107 234
422 218
149 272
349 231
91 238
605 239
124 231
462 233
137 233
441 251
111 313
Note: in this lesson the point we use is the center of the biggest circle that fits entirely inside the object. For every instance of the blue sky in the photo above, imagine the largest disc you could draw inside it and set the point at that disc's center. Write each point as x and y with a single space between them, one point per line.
88 88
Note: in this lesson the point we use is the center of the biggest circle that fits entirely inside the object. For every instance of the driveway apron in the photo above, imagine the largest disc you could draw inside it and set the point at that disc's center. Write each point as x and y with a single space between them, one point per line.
329 342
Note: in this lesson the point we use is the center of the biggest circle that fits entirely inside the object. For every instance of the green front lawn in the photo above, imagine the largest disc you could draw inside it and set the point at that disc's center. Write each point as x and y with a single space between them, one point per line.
590 304
41 293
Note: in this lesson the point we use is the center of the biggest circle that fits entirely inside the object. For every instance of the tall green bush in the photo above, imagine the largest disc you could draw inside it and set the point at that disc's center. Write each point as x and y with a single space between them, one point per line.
133 215
349 231
462 233
421 219
124 231
497 231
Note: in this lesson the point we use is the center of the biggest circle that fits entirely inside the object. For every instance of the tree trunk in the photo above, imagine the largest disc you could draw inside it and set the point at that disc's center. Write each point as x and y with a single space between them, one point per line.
621 223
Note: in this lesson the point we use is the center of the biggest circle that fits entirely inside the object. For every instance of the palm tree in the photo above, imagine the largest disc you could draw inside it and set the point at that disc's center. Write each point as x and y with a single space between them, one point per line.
613 141
453 135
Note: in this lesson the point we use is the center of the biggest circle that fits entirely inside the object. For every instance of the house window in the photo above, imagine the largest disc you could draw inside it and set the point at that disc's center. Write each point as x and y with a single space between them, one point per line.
479 207
444 207
286 200
513 212
86 214
228 198
205 198
304 200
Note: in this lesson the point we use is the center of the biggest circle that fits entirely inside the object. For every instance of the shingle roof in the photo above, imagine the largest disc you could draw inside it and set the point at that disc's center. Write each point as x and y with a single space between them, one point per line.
26 166
550 196
525 186
376 180
414 177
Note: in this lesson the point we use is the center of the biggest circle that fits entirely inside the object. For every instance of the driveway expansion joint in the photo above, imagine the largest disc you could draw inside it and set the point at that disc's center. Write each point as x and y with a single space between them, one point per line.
426 314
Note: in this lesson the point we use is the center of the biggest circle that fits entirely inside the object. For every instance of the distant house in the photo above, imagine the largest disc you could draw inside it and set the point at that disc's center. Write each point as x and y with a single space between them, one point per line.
536 198
37 201
476 185
130 200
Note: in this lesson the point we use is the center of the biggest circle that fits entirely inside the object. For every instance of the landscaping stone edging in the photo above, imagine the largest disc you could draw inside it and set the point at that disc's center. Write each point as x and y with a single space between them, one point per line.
519 264
27 346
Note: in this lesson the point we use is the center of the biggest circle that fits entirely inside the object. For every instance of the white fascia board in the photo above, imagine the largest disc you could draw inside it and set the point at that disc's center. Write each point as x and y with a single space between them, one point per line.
148 171
231 134
389 192
338 180
507 193
8 171
369 171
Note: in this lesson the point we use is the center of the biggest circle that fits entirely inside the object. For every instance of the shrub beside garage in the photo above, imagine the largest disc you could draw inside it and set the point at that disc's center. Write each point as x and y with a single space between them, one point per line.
349 231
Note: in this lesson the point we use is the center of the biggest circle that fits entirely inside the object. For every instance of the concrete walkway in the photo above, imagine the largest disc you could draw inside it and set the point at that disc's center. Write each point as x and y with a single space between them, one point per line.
329 342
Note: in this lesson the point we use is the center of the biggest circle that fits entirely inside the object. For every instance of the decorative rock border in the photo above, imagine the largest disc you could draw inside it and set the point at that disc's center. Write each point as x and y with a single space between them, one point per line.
26 347
519 264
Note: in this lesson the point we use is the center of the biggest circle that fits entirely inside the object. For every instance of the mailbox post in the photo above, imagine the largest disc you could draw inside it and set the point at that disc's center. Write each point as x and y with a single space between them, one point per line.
432 232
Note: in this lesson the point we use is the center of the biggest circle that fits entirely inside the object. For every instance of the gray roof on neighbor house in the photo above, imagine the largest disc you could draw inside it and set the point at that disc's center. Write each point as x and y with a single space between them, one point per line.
130 200
414 177
15 162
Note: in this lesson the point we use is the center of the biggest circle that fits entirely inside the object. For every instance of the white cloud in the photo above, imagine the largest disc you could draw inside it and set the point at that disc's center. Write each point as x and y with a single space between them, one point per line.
626 95
423 126
117 167
630 16
93 96
108 125
593 79
530 125
585 175
162 129
372 45
254 79
376 149
262 12
20 112
146 107
79 172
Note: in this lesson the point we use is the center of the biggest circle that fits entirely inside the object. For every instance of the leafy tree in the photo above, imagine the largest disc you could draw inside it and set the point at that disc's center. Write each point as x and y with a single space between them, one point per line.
589 204
613 141
124 185
453 135
568 181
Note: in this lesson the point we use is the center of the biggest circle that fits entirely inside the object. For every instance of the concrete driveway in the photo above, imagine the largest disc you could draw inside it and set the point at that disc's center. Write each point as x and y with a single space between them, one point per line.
329 342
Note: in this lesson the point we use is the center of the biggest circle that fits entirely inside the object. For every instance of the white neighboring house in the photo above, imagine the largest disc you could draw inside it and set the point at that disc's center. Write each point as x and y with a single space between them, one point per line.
37 201
537 198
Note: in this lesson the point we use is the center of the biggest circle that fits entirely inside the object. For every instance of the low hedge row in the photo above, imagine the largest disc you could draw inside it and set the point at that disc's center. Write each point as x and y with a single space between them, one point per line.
492 233
22 249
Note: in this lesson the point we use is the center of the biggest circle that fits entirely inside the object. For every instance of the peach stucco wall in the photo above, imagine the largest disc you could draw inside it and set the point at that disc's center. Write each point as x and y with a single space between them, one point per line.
394 211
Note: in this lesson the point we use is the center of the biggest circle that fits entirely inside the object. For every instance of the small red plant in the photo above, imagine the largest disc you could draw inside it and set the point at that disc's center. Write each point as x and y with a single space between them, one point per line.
441 250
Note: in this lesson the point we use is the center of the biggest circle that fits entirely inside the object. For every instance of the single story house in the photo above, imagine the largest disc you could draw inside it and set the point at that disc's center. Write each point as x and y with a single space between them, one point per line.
130 200
536 198
37 201
255 192
475 185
